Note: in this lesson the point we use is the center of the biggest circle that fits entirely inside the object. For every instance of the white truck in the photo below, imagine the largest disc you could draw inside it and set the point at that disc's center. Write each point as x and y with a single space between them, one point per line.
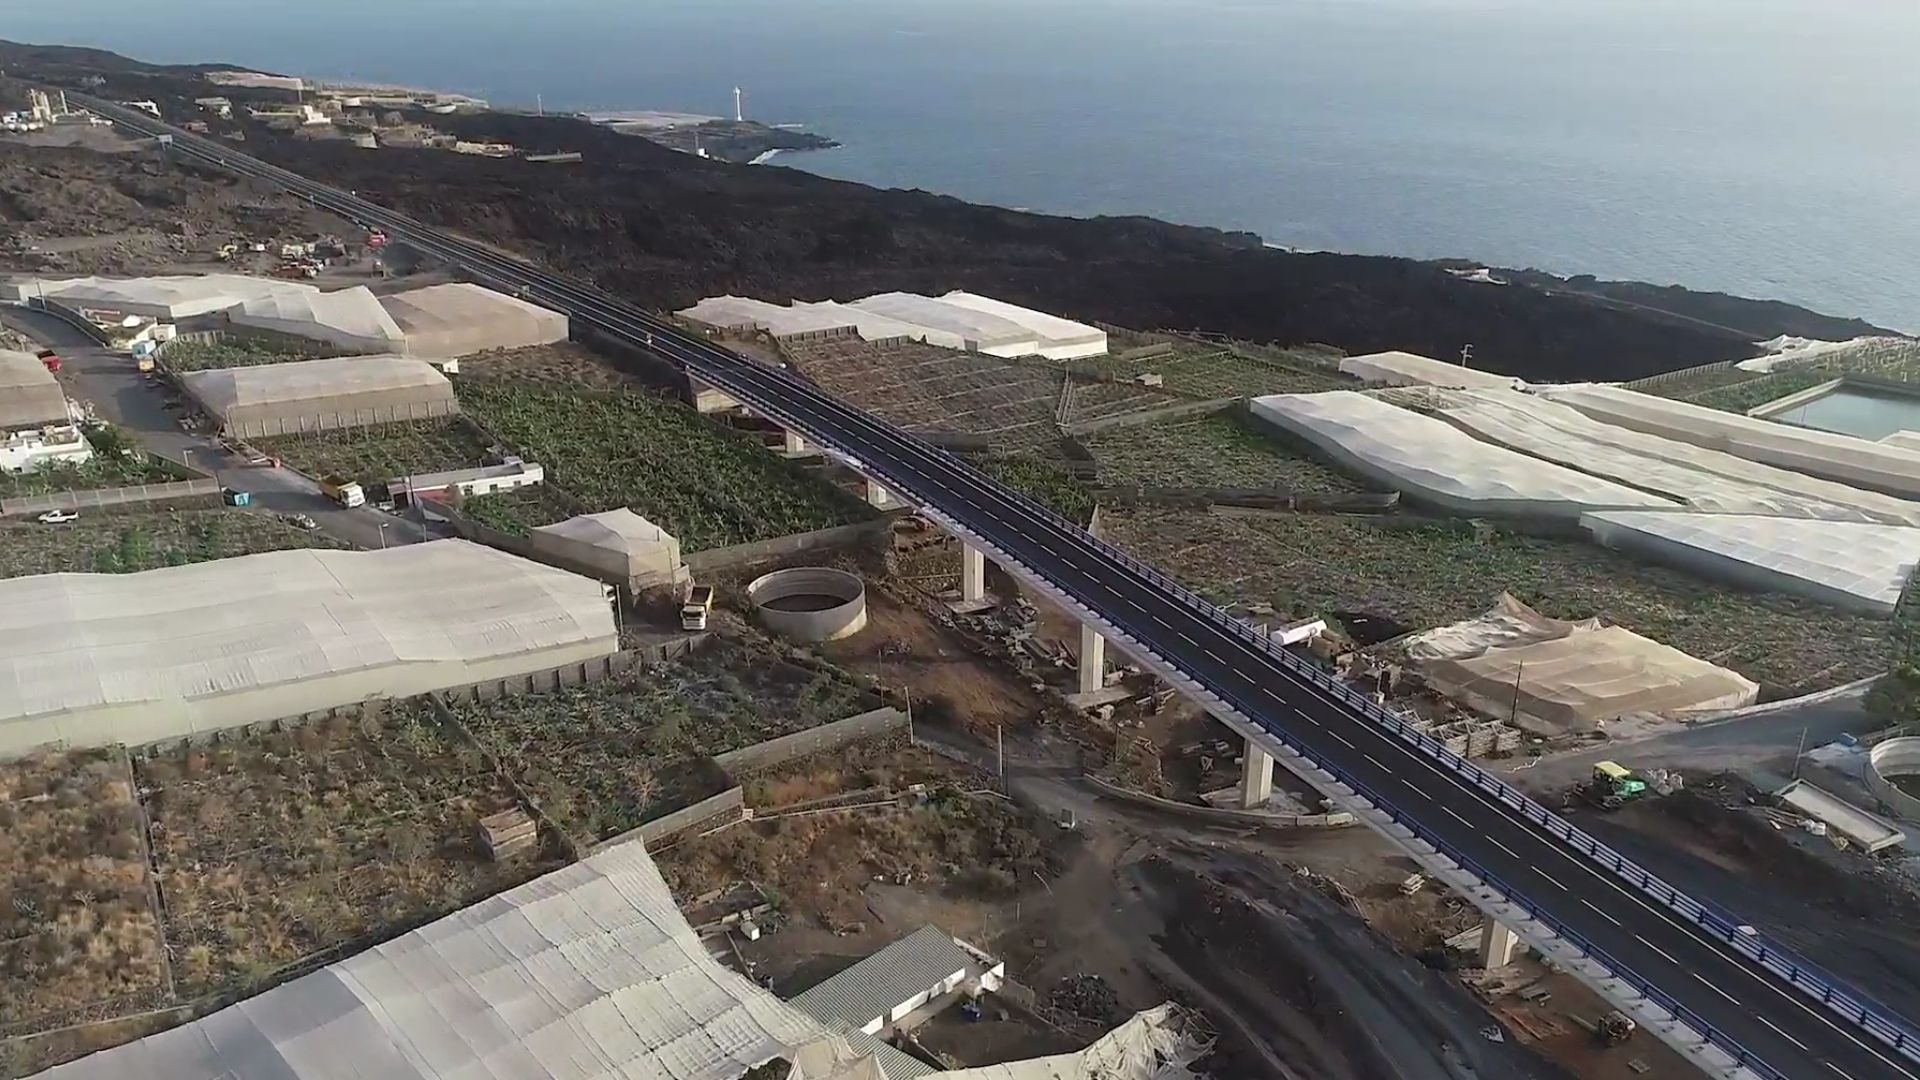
343 491
697 606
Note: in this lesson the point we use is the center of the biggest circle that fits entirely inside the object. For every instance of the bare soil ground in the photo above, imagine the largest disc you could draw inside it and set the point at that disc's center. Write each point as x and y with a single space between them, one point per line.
949 680
77 925
276 847
563 364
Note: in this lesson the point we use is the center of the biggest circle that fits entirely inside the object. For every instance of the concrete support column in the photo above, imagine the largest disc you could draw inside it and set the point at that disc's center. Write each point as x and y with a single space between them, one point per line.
973 573
792 443
707 399
1093 659
879 497
1497 944
1256 777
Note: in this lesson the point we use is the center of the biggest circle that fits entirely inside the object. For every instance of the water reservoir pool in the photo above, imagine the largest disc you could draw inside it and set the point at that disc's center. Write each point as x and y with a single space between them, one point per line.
1849 409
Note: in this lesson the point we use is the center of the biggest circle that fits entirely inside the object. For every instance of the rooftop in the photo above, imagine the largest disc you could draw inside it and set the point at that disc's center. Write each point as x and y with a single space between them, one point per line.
222 389
871 989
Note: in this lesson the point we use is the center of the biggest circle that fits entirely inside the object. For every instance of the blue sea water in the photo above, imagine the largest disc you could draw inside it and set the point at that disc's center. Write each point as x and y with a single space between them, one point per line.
1763 147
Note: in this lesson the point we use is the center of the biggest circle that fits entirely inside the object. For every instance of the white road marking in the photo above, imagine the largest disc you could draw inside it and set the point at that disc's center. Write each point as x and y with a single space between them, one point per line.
1216 659
1601 913
1161 621
1502 847
1839 1070
1551 878
1271 694
1342 742
1455 816
1780 1033
1188 640
1376 762
1657 949
1704 981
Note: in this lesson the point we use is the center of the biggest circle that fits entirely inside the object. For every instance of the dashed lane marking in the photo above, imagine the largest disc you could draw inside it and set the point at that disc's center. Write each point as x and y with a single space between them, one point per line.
1780 1033
1600 912
1662 952
1709 984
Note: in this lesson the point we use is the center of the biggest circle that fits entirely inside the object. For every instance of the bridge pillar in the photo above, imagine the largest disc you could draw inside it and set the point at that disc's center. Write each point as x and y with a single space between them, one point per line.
1093 659
973 573
1256 777
793 445
1497 944
880 498
707 399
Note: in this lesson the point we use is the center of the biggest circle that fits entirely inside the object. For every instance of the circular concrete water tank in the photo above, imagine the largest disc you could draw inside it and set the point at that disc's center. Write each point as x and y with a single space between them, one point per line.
1895 758
810 603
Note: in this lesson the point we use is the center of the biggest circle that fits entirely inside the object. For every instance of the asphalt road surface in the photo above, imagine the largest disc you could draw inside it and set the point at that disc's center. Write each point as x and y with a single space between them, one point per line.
1783 1030
122 396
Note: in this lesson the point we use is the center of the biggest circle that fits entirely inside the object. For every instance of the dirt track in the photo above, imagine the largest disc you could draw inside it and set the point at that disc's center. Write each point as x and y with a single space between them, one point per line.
1300 988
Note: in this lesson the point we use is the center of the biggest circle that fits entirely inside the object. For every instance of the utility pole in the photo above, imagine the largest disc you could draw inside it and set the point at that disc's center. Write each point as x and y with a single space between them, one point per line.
1000 754
1800 753
908 693
1513 714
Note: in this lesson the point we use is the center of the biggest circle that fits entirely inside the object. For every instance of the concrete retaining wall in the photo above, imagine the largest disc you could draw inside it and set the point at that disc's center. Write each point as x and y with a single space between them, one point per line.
1665 377
840 536
1893 757
1224 817
27 505
706 815
573 674
819 740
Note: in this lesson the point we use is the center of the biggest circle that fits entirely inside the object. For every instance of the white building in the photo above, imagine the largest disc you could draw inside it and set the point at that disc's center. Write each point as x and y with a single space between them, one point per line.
978 331
1060 339
461 318
1412 369
34 448
509 475
618 546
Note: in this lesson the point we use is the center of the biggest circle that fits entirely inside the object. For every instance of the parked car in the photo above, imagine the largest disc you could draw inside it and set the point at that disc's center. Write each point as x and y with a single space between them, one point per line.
58 517
300 521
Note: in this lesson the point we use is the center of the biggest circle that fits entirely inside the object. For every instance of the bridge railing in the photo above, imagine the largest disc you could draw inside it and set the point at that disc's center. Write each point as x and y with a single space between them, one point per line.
1743 938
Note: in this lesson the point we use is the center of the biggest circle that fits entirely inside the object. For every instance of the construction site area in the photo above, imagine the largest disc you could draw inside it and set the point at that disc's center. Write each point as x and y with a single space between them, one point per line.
397 634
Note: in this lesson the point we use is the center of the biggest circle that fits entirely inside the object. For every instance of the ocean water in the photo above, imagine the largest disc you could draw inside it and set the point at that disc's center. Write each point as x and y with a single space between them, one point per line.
1763 147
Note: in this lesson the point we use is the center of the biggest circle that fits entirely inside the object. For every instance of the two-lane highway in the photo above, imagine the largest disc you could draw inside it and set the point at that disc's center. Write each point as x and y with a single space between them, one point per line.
1779 1029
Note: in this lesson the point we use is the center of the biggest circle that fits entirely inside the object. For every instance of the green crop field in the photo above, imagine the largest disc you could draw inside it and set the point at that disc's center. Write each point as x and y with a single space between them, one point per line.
1205 371
1313 564
1216 451
605 757
130 542
709 487
1046 482
238 352
521 509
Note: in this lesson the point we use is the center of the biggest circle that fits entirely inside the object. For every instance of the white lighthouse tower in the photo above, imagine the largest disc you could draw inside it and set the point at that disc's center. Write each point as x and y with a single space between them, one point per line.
738 116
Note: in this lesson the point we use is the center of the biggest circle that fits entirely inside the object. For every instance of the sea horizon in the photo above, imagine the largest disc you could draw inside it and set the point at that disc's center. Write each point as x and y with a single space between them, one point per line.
1618 138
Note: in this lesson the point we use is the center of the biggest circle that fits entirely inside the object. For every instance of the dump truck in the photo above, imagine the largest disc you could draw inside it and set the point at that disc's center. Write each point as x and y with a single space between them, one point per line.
1613 785
697 606
343 491
50 359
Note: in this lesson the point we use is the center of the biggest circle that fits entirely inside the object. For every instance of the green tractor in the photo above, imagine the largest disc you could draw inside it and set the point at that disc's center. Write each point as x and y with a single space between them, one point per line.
1613 786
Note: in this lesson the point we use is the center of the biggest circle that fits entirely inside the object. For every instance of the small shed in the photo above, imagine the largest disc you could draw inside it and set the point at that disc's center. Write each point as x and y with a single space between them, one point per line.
616 545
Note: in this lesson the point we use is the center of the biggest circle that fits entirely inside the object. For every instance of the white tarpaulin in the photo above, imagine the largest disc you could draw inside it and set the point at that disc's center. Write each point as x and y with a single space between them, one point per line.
1553 677
1881 466
1695 476
590 971
1437 463
100 658
1857 566
1412 369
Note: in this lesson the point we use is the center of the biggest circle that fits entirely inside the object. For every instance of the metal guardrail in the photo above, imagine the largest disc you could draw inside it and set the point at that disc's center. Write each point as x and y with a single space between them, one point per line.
1801 974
